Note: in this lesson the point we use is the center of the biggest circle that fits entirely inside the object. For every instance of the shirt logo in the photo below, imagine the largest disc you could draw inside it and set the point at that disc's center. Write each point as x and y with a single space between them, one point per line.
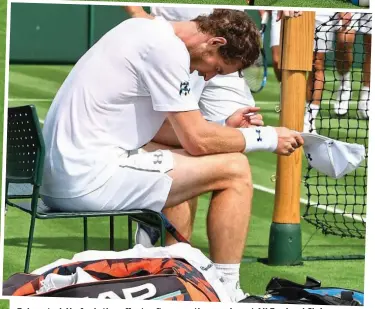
259 138
158 158
207 267
184 88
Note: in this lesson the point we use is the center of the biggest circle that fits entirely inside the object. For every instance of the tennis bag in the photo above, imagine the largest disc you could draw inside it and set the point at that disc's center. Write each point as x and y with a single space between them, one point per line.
282 291
162 279
135 278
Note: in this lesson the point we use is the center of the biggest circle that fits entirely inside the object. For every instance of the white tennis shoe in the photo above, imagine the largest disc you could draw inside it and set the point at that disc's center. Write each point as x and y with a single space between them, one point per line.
363 104
341 105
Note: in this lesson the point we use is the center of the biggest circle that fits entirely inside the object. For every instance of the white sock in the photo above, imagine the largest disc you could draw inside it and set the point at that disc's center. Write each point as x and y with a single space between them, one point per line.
231 273
364 99
346 81
312 111
365 92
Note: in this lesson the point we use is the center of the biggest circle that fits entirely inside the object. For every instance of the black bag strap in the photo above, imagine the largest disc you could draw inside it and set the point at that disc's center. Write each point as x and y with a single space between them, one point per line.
331 300
277 283
293 291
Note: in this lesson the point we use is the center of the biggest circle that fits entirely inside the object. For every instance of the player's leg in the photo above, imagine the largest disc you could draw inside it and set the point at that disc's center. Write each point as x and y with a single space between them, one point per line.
314 92
364 96
221 96
324 35
344 55
228 177
345 38
181 216
275 61
275 44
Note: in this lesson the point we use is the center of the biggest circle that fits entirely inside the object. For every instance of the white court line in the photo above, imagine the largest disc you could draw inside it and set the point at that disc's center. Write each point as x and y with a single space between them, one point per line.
324 207
258 187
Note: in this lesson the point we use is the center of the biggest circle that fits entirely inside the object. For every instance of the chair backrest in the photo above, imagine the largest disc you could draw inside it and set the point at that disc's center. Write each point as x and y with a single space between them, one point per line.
25 146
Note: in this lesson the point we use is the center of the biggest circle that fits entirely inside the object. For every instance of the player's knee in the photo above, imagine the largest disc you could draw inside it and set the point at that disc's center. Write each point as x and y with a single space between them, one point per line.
319 66
239 167
367 41
319 78
275 59
275 64
346 47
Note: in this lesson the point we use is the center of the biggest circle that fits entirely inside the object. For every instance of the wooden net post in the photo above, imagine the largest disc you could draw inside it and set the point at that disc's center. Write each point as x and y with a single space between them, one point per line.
297 43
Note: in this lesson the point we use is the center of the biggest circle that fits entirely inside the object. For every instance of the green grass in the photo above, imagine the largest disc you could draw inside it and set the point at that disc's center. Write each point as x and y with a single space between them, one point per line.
4 304
278 3
62 238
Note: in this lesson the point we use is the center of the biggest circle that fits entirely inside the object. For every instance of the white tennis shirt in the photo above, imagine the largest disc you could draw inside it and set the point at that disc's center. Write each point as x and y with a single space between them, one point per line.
114 99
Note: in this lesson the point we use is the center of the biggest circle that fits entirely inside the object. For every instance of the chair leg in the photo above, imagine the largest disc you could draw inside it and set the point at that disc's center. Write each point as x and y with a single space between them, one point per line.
29 244
130 232
85 240
111 233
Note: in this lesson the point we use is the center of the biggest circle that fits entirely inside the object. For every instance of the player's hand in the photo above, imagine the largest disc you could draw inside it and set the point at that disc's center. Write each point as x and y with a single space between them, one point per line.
287 14
137 12
288 141
255 119
245 117
262 12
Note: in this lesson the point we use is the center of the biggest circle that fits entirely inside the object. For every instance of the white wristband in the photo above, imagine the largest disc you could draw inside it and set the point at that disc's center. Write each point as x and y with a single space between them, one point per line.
260 139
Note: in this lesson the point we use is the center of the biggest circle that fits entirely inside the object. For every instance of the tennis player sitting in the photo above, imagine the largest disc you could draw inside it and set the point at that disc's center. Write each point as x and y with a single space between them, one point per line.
115 100
218 98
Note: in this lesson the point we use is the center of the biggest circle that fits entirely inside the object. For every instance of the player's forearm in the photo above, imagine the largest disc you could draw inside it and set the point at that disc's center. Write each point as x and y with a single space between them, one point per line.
215 138
207 140
137 12
199 137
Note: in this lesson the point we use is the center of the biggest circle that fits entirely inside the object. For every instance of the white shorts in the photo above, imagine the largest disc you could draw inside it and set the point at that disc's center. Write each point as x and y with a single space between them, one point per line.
326 27
362 23
222 95
275 30
324 31
140 182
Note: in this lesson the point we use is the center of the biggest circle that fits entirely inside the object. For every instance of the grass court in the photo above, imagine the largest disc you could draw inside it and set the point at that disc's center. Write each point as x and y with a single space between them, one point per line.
4 304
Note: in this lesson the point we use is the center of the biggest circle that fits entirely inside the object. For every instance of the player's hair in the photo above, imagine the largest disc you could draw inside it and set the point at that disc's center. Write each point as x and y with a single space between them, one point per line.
241 33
